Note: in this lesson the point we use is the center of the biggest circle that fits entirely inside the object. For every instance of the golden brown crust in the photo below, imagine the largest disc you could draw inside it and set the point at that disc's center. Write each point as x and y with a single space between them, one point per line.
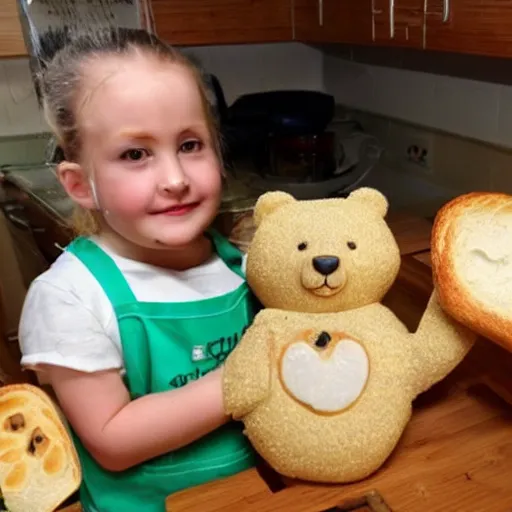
67 443
53 455
454 296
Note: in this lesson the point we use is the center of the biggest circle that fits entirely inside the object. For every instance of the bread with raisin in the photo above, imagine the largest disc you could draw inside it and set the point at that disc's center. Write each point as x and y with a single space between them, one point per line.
39 467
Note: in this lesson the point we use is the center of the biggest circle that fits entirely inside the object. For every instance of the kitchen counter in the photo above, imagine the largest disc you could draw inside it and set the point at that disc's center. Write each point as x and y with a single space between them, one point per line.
455 455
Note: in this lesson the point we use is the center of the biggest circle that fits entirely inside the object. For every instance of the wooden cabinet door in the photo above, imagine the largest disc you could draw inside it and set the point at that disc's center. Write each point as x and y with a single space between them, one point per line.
333 21
12 43
409 23
399 23
470 26
202 22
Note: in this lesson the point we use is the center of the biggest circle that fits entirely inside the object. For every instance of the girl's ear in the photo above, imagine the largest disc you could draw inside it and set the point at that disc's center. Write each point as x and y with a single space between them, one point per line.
76 184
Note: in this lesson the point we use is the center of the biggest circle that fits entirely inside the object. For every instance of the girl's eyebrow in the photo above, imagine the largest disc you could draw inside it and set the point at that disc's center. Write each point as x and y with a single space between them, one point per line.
136 135
147 137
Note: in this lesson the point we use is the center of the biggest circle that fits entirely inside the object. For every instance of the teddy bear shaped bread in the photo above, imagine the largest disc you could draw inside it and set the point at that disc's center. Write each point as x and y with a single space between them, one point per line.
39 467
472 262
324 378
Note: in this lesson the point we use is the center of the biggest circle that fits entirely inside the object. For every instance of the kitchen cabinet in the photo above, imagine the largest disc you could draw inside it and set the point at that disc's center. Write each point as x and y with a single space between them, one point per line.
333 21
12 43
366 22
459 26
203 22
470 26
399 23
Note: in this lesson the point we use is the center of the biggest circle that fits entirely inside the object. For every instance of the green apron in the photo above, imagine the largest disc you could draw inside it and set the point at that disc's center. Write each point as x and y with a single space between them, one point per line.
165 346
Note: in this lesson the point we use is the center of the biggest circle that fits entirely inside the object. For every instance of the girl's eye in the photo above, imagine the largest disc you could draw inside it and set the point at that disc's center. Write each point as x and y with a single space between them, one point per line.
134 155
190 146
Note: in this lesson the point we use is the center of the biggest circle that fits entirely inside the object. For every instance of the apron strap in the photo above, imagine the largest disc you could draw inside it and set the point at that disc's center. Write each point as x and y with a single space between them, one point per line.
104 269
230 254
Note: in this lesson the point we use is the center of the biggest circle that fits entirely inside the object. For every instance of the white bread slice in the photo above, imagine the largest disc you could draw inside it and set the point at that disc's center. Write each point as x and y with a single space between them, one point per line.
39 467
471 250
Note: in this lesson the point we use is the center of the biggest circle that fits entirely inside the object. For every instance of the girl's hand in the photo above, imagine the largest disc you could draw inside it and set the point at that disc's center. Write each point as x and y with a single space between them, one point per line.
120 433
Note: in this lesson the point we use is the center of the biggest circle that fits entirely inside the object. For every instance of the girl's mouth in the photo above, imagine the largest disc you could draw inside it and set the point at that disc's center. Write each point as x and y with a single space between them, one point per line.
177 210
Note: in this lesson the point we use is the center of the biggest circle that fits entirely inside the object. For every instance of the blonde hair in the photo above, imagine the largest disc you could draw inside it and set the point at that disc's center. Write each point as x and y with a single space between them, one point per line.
60 82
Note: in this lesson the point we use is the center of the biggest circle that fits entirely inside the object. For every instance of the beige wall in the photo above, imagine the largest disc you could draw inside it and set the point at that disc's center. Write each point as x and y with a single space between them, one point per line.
241 69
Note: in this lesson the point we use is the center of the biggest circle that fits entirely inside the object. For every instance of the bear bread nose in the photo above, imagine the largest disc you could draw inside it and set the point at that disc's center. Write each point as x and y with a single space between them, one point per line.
326 264
323 340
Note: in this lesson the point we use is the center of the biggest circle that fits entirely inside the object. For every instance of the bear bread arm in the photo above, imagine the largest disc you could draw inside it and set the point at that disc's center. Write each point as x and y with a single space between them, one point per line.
246 377
439 344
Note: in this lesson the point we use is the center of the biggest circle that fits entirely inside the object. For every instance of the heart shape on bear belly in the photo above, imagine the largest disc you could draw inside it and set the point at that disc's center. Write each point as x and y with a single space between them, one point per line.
327 381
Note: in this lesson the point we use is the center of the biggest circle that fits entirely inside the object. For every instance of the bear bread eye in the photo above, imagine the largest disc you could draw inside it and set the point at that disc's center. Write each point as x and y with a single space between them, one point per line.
302 246
351 245
15 423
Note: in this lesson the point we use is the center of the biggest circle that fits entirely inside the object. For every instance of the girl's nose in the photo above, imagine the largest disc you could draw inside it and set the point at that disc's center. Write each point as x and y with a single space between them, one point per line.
174 187
173 178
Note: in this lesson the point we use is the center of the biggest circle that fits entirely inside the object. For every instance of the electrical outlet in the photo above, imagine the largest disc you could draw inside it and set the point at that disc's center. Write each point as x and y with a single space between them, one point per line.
417 153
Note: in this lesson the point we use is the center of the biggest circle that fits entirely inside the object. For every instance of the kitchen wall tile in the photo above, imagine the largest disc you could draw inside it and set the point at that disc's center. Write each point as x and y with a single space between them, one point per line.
458 164
19 81
399 136
501 172
460 106
378 126
351 83
461 164
408 95
21 114
466 107
505 116
261 67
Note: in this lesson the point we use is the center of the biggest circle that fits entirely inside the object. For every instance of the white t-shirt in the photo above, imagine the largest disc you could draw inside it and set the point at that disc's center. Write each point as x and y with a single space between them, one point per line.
67 319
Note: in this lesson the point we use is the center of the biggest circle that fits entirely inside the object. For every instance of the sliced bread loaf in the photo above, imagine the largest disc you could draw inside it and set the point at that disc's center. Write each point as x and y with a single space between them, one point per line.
471 251
39 466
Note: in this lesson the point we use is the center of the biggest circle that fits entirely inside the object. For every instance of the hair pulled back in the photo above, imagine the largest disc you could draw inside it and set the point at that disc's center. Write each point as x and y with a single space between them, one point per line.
63 62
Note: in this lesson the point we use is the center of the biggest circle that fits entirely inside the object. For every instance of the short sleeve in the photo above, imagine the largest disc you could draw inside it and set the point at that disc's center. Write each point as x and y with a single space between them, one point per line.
57 328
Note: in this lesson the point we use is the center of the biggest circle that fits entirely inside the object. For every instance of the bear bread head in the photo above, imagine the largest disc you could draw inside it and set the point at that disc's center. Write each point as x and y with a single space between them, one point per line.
322 256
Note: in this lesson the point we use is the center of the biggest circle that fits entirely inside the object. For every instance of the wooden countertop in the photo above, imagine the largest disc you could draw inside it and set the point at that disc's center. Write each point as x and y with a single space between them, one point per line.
455 455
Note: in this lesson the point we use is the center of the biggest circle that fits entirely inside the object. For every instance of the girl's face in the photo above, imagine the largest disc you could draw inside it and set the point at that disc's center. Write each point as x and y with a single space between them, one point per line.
147 149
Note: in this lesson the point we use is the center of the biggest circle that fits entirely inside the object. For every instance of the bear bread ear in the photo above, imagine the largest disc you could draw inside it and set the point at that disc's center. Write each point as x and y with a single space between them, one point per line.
268 203
372 198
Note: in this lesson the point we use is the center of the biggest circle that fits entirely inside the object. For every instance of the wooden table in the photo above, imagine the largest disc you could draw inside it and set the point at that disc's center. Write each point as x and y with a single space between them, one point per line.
455 455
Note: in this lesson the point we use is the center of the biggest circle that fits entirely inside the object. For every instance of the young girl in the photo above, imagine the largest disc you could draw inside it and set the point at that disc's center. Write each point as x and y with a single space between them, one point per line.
132 323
